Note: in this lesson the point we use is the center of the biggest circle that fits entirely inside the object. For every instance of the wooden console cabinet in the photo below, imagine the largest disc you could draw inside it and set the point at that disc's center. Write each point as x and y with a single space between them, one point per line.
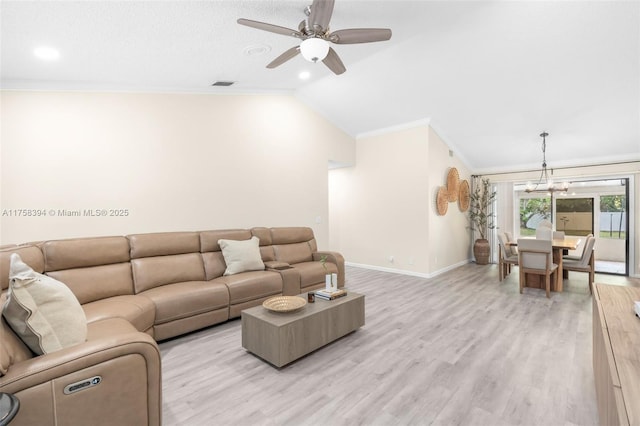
616 354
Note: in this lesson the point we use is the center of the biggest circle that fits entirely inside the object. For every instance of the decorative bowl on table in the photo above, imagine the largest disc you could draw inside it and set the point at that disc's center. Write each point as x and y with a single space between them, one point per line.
284 303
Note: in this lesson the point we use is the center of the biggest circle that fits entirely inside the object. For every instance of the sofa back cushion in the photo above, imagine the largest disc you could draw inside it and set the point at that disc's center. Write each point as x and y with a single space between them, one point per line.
291 235
163 244
151 272
267 253
97 282
214 265
30 254
93 268
209 239
264 234
293 245
163 258
266 244
84 252
293 253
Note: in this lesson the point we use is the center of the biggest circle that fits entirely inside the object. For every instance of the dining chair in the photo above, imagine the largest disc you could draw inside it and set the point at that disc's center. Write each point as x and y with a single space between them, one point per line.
574 256
545 223
505 258
543 234
510 239
586 263
535 257
559 235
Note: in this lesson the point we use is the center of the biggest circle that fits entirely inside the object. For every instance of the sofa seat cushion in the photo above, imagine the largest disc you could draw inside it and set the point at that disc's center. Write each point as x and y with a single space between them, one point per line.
313 273
138 310
251 285
108 328
185 299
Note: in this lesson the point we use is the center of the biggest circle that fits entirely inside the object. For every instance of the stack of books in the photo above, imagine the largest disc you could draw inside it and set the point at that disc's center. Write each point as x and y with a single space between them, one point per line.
330 295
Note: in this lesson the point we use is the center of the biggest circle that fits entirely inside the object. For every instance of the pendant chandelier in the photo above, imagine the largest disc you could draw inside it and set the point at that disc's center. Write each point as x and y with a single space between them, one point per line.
544 183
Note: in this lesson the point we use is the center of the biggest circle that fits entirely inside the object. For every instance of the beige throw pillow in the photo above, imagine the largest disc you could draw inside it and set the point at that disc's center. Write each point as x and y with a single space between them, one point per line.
241 256
42 311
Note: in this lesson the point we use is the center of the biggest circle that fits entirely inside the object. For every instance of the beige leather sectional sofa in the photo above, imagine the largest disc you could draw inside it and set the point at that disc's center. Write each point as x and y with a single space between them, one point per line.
137 290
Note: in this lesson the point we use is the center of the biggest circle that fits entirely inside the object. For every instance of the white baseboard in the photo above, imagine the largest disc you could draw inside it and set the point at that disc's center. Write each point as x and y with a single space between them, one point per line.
406 272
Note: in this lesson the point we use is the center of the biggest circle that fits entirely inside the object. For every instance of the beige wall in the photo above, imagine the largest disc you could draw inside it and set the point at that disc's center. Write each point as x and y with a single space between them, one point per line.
384 206
174 161
449 235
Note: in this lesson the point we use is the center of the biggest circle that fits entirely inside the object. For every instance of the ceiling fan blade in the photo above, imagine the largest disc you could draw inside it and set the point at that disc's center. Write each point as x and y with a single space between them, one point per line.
333 62
360 35
288 54
320 15
270 27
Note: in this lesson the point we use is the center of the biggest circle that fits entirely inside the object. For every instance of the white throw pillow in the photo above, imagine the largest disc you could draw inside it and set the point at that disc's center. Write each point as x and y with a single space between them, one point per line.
42 311
241 256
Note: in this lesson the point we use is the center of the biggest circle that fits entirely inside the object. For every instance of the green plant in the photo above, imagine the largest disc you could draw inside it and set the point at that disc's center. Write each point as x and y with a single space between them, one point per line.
530 207
323 260
481 198
612 203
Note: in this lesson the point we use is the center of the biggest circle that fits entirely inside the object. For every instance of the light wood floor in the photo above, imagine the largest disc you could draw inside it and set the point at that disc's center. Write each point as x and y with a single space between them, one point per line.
460 348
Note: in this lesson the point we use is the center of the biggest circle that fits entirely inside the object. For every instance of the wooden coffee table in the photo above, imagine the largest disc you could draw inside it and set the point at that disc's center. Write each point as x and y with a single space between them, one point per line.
281 338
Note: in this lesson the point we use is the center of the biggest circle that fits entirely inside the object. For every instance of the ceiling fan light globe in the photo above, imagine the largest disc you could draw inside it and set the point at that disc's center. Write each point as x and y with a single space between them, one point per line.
314 49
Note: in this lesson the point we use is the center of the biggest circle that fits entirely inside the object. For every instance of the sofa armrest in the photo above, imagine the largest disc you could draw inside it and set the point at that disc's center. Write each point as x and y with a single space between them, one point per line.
290 276
129 392
335 258
275 265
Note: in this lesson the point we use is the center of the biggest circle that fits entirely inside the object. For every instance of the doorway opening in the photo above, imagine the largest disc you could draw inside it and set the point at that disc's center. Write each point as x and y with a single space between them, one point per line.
598 207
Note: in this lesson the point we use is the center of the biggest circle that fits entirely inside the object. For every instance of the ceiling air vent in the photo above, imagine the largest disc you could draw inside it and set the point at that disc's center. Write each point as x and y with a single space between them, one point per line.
223 83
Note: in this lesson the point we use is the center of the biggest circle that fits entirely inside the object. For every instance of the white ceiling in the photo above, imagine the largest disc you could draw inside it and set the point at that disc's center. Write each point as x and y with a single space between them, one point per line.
489 75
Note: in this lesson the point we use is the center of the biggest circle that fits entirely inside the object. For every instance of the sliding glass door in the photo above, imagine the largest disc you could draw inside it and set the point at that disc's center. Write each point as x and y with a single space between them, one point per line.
574 216
613 235
599 207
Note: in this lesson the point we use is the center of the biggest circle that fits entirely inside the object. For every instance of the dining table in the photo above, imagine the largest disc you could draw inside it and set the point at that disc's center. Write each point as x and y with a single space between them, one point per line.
559 247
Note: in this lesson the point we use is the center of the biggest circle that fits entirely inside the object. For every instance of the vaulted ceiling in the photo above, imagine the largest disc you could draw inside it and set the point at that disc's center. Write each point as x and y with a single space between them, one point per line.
489 76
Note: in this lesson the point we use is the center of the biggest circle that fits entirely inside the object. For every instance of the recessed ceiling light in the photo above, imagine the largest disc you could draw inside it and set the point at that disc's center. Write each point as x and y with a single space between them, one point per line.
304 75
256 49
46 53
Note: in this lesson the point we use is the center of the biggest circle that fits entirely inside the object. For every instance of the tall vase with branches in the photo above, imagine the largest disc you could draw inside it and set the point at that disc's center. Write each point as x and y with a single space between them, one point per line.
482 219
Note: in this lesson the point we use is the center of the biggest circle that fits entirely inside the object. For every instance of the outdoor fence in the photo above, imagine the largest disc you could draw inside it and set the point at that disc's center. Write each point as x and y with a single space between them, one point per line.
613 222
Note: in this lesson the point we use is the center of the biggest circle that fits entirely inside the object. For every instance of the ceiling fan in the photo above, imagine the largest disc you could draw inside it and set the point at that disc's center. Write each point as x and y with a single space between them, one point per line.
315 35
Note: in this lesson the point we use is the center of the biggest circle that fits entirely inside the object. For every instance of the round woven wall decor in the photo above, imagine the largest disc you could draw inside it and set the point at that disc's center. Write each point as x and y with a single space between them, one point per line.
442 201
453 182
463 198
